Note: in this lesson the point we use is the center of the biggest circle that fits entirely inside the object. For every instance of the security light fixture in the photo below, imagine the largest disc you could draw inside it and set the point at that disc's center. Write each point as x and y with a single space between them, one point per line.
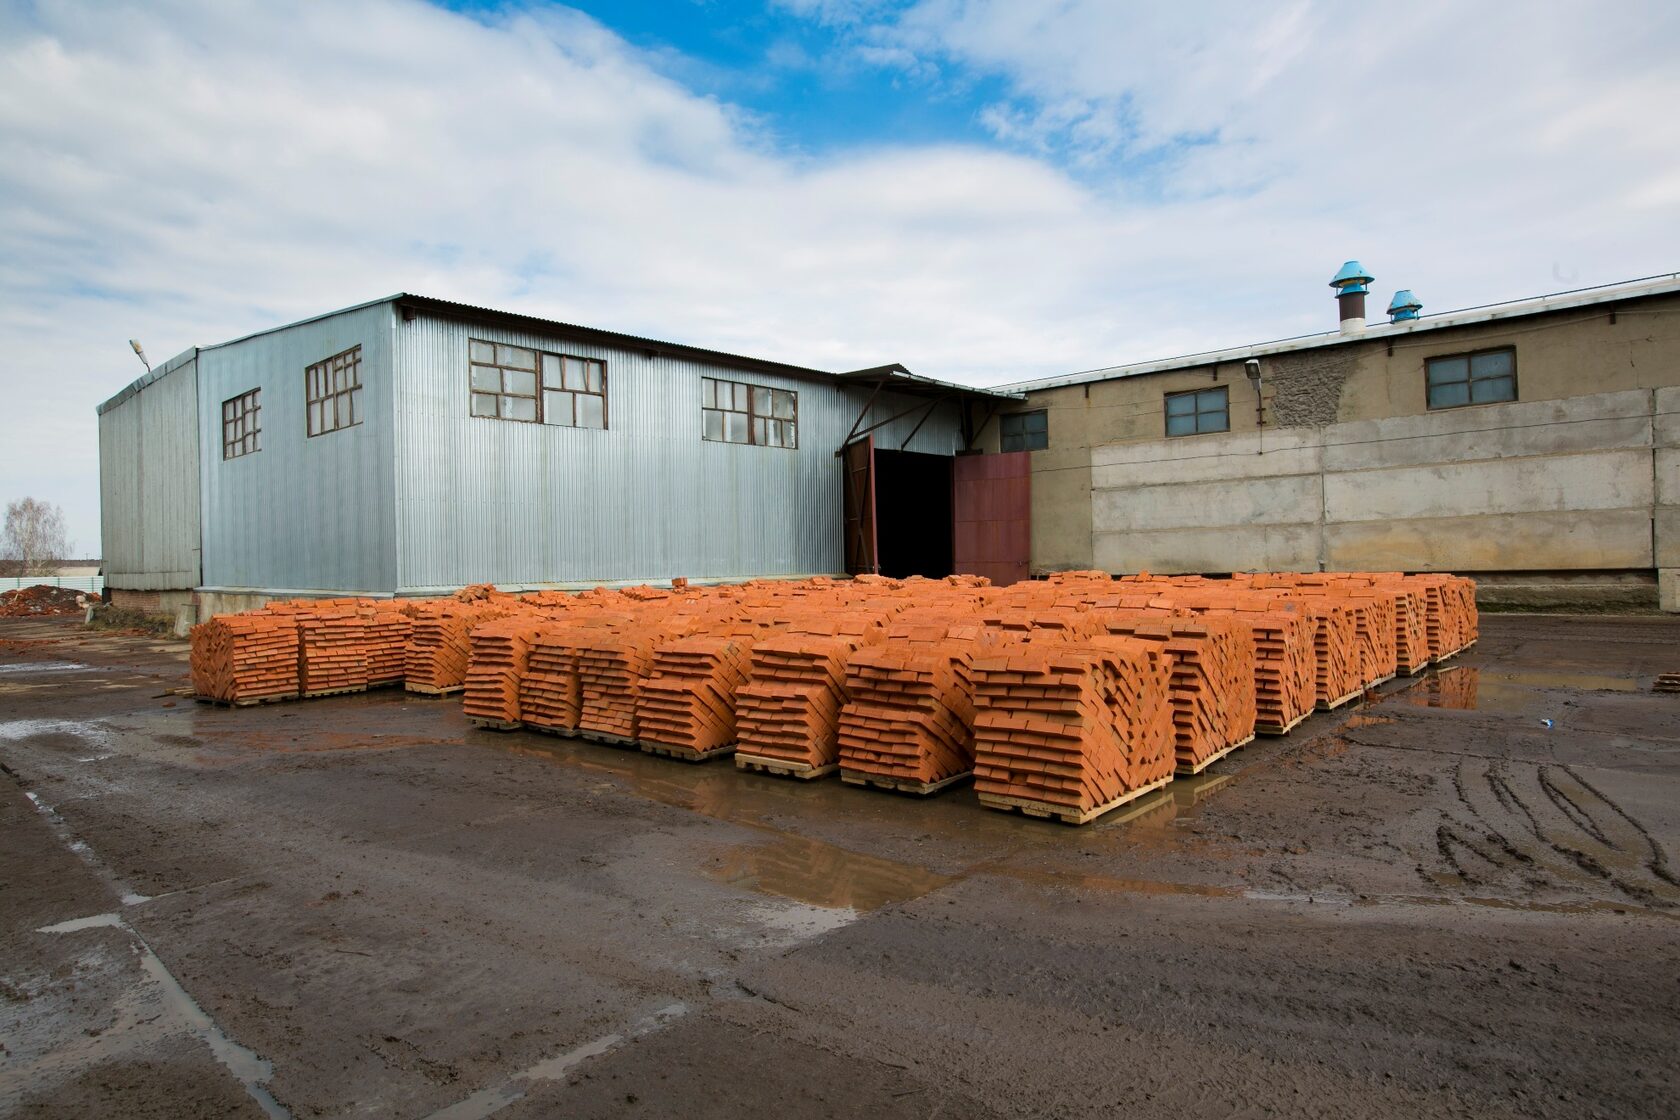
135 343
1252 368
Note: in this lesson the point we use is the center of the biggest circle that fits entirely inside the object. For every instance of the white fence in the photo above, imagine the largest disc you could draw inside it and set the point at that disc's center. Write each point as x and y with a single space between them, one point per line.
91 585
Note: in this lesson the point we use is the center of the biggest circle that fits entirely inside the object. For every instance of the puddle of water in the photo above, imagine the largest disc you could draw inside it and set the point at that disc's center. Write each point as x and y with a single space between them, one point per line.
95 921
23 667
1472 688
820 874
253 1071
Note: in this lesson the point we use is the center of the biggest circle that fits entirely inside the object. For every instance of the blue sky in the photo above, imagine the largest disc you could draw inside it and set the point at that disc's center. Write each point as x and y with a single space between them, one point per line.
984 190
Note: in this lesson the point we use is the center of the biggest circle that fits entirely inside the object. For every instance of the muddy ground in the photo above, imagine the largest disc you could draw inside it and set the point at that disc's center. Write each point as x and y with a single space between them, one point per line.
1432 904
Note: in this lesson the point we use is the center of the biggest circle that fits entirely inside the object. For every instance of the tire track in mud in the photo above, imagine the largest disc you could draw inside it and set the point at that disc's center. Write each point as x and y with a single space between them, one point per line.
1546 827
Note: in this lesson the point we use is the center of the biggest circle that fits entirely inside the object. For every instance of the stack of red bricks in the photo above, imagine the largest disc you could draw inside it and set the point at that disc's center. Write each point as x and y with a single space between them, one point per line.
611 665
332 638
500 651
1071 728
688 700
1212 683
1338 671
548 693
909 718
1449 614
440 645
246 658
387 629
789 714
1285 666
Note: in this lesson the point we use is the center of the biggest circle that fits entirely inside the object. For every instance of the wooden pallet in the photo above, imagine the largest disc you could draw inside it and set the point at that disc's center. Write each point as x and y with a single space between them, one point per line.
495 724
606 739
319 692
428 690
802 771
1334 704
249 702
1461 649
1274 729
1184 770
1414 670
1044 810
557 732
686 754
902 785
1383 680
1667 682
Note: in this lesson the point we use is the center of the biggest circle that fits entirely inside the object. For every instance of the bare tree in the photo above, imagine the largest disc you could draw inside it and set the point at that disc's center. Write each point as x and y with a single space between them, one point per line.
33 539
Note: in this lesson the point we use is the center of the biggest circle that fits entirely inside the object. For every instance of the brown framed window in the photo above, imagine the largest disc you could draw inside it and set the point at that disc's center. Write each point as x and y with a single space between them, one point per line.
242 424
1481 377
1024 431
536 387
574 391
1198 411
333 392
735 412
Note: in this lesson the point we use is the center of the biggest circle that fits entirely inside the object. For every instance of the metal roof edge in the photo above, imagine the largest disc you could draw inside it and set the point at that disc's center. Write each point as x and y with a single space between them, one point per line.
155 374
652 346
1661 284
304 322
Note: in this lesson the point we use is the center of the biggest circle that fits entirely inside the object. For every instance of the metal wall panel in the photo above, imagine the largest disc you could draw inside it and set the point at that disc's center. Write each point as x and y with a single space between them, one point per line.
522 505
148 481
304 513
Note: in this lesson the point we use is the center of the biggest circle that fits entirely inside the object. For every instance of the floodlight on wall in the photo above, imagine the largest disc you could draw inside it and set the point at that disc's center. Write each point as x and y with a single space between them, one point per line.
1252 369
135 343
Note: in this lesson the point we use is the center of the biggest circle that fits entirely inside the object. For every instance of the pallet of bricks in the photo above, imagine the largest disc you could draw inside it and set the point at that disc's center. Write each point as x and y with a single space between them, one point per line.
1071 727
908 720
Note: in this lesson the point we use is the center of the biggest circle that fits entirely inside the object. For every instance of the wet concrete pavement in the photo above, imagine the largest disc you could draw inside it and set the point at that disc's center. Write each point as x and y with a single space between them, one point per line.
1431 904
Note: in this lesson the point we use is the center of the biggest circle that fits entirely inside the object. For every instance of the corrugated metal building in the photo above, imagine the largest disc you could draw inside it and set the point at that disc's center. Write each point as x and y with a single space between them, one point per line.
411 445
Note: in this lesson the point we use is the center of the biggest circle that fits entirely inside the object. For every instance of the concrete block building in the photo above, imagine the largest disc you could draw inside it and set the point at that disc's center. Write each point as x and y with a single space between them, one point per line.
1534 445
409 446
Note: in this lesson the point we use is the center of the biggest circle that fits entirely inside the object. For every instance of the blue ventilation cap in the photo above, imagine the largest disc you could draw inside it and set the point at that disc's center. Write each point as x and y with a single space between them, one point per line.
1404 306
1352 278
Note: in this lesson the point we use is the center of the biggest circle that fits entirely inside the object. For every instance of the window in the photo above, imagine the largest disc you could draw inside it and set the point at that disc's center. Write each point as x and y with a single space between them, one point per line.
1486 377
1200 410
333 389
518 383
731 412
1025 431
241 429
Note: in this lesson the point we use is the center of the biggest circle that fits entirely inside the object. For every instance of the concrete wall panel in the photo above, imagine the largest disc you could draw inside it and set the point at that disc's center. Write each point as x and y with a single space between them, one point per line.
1231 502
1604 539
1607 480
1259 548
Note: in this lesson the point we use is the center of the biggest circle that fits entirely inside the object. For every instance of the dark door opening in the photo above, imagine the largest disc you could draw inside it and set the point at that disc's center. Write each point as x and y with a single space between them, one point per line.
913 528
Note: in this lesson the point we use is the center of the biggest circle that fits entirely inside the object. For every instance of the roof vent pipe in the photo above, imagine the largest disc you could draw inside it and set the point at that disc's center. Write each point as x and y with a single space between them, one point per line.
1404 307
1350 284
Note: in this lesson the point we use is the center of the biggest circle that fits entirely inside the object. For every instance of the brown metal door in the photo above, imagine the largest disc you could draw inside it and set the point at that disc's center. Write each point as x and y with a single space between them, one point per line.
859 460
991 511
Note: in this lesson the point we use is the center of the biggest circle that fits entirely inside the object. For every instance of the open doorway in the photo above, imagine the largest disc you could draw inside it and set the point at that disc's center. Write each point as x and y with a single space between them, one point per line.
913 514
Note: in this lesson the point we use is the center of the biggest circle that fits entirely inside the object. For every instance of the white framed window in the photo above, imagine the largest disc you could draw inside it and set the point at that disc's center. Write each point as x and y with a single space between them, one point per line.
536 387
242 424
735 412
333 392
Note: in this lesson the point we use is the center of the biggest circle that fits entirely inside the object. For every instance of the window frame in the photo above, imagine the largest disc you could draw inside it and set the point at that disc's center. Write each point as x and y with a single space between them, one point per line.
1468 357
751 412
245 410
1197 412
1024 436
541 389
318 376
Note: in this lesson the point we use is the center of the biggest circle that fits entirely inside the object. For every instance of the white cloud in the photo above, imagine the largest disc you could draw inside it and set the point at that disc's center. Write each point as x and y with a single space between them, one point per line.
188 171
